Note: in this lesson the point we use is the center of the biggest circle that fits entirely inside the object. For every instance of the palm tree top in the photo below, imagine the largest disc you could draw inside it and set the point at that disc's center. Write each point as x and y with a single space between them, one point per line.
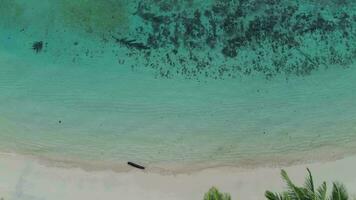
308 191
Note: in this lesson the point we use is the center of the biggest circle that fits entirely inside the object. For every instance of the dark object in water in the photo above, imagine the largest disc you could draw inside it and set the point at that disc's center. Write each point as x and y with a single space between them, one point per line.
131 43
37 46
135 165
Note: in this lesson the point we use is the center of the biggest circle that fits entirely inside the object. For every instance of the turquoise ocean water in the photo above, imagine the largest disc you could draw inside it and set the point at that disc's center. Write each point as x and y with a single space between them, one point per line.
186 83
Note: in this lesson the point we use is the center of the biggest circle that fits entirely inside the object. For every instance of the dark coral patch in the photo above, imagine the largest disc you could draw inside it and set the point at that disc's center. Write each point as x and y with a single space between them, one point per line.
231 38
37 46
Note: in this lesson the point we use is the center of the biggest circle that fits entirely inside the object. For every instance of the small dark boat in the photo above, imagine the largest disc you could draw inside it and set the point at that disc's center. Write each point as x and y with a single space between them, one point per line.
135 165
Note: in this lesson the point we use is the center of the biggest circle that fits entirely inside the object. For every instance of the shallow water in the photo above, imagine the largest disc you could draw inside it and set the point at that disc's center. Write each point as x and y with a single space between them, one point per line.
157 85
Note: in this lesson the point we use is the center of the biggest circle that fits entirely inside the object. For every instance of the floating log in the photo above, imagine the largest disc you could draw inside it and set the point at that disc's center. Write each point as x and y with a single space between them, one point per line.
135 165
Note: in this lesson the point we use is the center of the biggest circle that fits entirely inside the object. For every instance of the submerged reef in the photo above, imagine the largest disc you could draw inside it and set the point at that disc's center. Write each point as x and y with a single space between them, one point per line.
11 12
94 16
231 38
214 39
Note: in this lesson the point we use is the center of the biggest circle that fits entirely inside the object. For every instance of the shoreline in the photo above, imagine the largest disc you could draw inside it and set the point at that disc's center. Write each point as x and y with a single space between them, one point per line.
320 155
26 178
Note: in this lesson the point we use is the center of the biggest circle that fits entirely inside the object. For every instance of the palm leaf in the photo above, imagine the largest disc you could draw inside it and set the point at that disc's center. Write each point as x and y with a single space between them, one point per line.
321 192
309 191
294 192
339 192
309 183
226 196
214 194
274 196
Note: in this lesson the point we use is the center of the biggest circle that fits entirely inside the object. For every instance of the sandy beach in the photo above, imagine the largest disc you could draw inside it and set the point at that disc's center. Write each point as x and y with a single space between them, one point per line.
25 178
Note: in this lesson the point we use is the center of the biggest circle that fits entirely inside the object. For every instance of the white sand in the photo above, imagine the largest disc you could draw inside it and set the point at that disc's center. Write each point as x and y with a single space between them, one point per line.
25 178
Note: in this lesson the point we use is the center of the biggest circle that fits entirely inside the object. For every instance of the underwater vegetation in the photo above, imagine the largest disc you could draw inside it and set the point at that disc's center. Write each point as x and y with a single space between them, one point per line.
238 38
11 12
37 46
104 16
216 39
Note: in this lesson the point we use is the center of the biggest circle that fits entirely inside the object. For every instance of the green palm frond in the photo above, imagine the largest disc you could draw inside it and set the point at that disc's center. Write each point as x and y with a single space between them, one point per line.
294 192
226 196
339 192
321 192
308 191
309 183
276 196
214 194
